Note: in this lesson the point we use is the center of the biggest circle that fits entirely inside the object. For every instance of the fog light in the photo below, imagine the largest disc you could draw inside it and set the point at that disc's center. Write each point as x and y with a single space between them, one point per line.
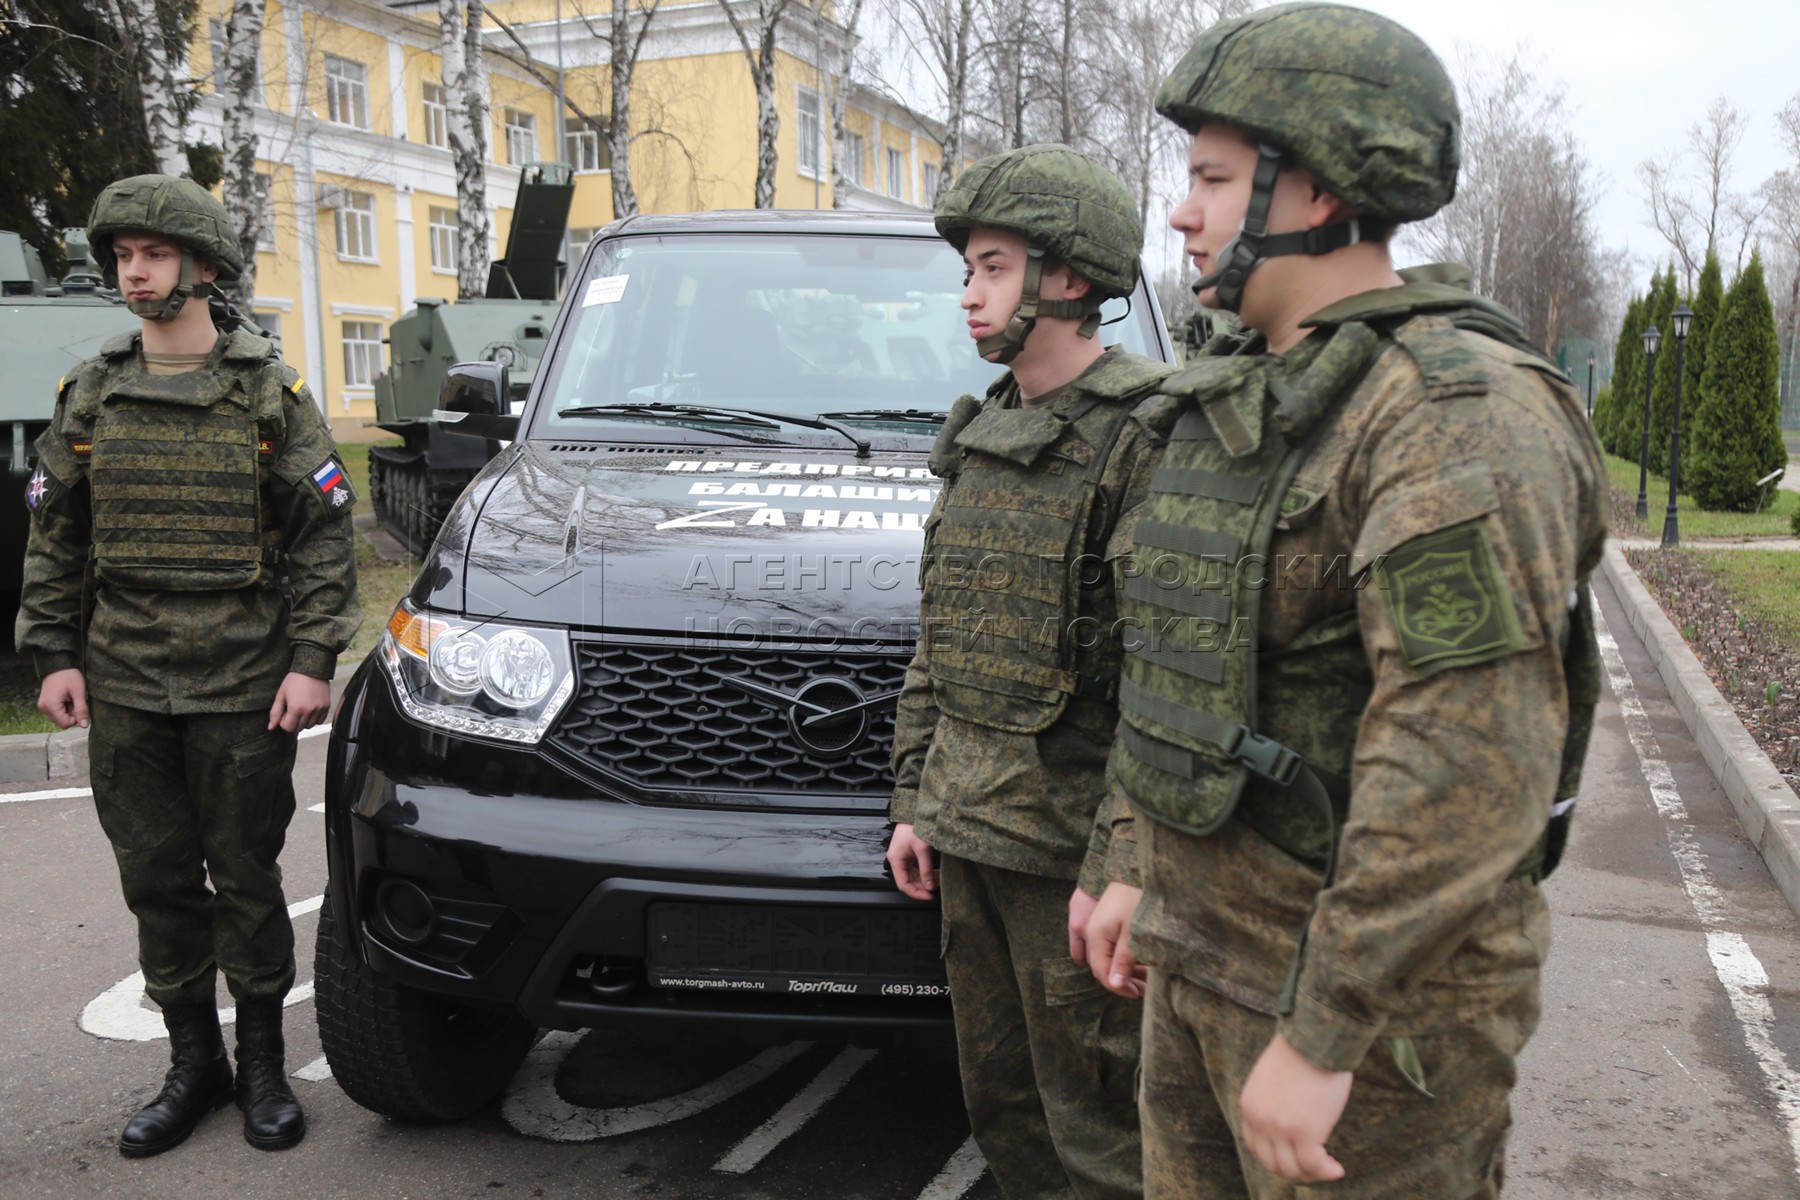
407 911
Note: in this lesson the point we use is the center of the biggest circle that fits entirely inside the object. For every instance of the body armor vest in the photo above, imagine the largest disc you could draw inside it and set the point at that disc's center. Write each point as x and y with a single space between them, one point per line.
1011 552
1192 749
173 464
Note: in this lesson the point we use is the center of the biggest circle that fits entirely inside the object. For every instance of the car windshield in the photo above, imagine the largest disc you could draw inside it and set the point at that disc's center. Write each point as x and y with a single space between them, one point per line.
799 324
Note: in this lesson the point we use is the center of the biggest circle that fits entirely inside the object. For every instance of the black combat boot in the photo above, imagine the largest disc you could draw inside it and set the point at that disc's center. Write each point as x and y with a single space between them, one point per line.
272 1117
197 1083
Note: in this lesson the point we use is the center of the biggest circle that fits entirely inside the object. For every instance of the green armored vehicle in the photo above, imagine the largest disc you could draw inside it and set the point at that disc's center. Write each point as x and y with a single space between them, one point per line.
412 486
46 327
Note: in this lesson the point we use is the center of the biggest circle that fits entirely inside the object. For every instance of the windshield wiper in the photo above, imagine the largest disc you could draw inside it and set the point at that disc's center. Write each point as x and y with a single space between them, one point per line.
934 416
746 416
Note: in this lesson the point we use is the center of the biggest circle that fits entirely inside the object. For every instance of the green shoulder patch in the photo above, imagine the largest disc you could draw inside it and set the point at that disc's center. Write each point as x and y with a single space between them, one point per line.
1448 600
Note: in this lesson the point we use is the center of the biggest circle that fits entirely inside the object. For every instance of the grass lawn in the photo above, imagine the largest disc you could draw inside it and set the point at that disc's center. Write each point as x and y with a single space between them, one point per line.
1765 584
1774 521
380 583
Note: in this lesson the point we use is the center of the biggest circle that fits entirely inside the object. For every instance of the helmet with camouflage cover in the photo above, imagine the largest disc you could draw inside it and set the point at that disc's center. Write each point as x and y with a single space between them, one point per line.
1065 206
178 209
1353 97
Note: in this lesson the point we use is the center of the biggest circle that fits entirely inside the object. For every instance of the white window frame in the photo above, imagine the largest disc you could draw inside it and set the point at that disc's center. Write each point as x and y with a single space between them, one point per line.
928 182
521 138
585 148
266 239
362 352
356 228
575 244
809 133
270 321
346 92
443 224
437 115
855 150
896 173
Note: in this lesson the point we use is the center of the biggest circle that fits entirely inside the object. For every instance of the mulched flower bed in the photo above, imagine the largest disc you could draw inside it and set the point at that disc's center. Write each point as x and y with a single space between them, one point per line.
1742 655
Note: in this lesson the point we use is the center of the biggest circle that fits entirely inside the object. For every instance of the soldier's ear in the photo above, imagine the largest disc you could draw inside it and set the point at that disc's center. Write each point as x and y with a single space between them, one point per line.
205 269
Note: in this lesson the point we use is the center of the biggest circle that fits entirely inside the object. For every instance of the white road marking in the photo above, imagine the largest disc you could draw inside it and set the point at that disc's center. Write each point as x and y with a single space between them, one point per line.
74 793
958 1175
122 1013
787 1121
316 1071
1746 983
534 1109
52 794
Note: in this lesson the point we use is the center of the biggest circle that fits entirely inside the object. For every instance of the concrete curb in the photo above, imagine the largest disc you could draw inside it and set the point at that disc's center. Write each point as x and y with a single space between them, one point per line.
39 757
1766 806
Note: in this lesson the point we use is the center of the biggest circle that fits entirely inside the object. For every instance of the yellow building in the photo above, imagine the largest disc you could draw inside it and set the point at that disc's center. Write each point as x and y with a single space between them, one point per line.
352 137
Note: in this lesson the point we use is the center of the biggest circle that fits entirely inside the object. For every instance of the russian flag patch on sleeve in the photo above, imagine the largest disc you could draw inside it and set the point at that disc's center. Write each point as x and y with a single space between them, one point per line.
332 485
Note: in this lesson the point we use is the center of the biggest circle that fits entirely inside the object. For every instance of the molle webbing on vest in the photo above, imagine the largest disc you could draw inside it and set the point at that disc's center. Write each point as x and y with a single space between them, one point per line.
1004 583
1190 745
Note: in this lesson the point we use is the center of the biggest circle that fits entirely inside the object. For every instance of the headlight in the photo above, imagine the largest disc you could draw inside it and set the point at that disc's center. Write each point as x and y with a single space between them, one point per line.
479 679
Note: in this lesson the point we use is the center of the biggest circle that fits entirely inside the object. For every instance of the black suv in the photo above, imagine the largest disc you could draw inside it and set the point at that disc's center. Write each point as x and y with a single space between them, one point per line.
622 754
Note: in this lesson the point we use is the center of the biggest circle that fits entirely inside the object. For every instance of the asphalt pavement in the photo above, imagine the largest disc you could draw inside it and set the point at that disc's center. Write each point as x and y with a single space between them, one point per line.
1664 1068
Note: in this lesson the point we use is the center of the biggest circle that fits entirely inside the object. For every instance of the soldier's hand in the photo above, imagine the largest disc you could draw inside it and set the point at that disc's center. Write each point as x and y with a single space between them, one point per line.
1289 1109
1108 938
910 860
1081 907
301 703
63 698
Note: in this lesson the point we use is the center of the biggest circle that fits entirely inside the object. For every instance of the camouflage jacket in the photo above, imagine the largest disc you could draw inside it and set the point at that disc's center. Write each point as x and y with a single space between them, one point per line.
1023 802
196 651
1454 769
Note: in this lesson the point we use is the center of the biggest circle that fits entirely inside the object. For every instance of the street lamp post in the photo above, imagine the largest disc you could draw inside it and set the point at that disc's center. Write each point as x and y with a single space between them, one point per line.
1590 387
1671 520
1652 339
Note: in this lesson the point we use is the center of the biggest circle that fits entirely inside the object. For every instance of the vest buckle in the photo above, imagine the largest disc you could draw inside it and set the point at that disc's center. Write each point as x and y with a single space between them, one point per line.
1266 757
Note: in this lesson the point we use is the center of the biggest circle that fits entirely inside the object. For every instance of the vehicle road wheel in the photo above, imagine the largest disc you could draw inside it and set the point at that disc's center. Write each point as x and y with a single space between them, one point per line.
404 1053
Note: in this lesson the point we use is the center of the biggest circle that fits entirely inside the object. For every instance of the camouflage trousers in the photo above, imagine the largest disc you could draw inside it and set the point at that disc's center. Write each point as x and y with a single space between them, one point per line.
1393 1140
183 798
1048 1057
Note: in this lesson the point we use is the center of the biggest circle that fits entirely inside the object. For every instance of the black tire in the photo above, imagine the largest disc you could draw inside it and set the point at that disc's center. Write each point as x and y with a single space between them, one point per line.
405 1053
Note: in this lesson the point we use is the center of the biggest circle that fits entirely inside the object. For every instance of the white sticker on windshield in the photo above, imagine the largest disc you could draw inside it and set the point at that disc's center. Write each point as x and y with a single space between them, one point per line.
608 289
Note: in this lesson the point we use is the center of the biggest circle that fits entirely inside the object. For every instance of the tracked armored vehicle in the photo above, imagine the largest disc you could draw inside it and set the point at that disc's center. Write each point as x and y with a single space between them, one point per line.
46 327
412 486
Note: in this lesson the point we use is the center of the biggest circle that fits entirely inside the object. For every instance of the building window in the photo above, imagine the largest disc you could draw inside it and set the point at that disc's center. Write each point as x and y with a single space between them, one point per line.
807 128
578 244
443 239
929 194
585 147
521 137
356 226
271 324
265 187
854 151
362 353
215 37
896 174
437 116
346 92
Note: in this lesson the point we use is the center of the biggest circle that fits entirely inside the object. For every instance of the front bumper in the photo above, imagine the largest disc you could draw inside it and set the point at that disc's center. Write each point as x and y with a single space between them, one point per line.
499 896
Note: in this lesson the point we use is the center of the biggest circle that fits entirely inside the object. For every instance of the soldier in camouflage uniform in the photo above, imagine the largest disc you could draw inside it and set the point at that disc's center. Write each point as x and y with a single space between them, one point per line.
1360 668
190 580
1009 703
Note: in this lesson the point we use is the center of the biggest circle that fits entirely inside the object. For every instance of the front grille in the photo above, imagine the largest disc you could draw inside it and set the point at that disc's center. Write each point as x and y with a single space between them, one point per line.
664 718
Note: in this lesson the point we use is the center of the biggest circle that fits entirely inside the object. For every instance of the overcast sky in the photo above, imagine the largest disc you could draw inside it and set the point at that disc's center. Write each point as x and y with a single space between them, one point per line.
1636 76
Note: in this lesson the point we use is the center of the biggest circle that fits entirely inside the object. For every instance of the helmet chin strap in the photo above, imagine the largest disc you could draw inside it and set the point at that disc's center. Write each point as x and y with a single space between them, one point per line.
188 287
1254 243
1004 346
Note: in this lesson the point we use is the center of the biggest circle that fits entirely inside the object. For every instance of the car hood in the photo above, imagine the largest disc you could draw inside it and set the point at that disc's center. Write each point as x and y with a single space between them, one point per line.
798 543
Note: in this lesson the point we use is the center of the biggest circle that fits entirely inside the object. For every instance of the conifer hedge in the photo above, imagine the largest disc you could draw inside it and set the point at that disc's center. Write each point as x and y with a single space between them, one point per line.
1736 426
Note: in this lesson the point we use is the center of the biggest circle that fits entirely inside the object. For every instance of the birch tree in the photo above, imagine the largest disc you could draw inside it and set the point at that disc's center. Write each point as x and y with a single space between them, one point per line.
466 122
755 30
154 52
1689 191
627 28
244 189
839 83
938 33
